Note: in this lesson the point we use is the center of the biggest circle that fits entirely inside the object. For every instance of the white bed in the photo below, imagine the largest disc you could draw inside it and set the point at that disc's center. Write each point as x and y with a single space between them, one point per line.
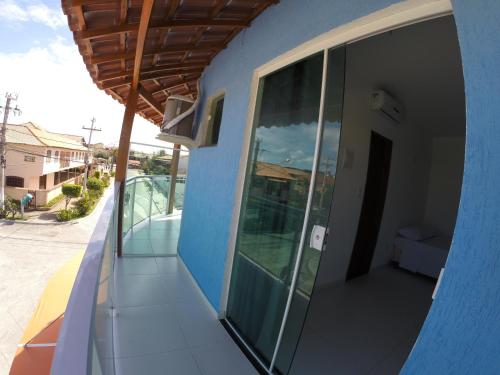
426 257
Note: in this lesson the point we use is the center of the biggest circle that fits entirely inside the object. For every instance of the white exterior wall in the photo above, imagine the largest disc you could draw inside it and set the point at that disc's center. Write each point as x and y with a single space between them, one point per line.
53 165
31 171
17 166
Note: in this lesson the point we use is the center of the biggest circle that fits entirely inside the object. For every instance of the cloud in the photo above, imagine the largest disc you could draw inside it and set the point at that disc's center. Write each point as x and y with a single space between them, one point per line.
56 91
32 12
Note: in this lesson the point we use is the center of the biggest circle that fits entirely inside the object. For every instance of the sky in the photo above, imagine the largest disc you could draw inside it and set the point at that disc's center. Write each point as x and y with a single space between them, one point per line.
40 62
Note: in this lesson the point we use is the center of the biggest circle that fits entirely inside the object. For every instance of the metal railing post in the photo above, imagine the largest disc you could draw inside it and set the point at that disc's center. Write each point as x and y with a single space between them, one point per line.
133 207
151 197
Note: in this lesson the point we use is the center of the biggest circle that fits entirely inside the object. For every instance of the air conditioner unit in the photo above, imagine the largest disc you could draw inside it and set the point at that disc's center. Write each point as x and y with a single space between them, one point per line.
178 120
387 105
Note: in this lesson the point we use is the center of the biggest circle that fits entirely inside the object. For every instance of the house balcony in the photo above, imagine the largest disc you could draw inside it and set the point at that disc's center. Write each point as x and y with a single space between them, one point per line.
142 312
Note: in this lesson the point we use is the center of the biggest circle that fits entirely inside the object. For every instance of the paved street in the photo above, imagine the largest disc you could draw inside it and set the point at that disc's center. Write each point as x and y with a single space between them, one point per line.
30 253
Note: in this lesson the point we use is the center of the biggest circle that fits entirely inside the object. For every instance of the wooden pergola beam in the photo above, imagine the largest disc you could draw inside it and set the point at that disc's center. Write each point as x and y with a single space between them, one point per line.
148 98
75 3
172 24
128 117
176 84
114 84
155 69
170 49
170 73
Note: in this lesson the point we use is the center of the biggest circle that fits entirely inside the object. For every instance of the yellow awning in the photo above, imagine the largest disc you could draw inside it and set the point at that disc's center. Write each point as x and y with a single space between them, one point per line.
34 355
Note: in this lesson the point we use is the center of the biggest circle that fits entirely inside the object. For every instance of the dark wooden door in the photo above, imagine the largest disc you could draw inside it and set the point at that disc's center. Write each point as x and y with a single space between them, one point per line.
379 166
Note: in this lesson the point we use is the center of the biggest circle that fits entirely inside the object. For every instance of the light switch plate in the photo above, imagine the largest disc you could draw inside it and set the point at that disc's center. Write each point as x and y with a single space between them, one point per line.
317 237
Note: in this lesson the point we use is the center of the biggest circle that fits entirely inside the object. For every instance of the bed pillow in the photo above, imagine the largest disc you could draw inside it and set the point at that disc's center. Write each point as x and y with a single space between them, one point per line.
417 232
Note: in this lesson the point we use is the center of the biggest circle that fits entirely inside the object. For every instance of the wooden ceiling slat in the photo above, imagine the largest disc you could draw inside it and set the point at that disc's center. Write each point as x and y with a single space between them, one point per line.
159 68
183 38
148 98
176 84
123 36
173 48
170 73
175 24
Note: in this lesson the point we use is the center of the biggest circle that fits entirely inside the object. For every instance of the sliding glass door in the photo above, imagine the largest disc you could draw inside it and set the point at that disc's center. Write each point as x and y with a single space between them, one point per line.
287 197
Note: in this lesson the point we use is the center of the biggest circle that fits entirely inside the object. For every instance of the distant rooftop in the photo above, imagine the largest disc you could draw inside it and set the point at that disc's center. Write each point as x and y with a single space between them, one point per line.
34 135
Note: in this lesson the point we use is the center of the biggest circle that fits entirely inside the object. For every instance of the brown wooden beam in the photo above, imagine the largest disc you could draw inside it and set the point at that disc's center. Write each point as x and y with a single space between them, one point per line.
170 49
148 98
128 118
154 69
169 74
115 84
76 3
105 31
173 24
176 84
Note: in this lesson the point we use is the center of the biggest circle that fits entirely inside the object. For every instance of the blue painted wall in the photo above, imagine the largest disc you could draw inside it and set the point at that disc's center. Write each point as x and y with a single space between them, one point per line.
210 190
462 332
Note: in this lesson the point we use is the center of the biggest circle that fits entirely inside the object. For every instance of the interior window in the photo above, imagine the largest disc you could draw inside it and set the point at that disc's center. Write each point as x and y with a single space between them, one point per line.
215 120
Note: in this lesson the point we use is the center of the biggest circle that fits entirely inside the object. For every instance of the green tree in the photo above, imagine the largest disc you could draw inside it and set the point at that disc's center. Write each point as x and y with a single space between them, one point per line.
71 191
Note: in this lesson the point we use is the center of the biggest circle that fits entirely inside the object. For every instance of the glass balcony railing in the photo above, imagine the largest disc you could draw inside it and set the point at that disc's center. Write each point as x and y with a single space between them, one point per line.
101 342
148 230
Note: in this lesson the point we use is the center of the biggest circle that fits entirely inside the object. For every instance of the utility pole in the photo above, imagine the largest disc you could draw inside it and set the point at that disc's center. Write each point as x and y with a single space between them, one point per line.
91 129
3 142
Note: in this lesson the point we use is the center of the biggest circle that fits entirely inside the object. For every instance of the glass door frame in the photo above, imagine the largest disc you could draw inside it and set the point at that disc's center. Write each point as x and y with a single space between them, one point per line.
362 28
310 193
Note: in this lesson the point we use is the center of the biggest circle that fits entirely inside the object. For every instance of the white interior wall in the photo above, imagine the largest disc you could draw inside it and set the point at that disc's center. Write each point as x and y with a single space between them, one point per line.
421 67
445 181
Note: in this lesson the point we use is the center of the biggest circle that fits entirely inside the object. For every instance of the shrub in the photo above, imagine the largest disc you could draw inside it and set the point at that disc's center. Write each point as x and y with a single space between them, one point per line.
84 205
97 174
95 184
105 180
12 207
71 191
66 215
112 173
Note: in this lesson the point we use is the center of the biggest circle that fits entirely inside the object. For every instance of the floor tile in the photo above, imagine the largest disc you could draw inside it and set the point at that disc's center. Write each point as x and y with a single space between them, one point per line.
200 327
138 246
178 362
137 266
179 288
227 360
147 330
140 290
167 264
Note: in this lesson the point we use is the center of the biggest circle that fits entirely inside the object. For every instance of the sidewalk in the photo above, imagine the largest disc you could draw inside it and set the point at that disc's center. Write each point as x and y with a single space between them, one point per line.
30 253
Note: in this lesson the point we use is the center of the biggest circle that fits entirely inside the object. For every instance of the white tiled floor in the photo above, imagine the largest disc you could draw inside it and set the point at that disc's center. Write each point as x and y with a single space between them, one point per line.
164 325
366 326
157 236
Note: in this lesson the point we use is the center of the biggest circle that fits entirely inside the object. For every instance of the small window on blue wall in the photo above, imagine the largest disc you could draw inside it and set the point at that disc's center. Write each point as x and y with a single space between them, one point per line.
214 121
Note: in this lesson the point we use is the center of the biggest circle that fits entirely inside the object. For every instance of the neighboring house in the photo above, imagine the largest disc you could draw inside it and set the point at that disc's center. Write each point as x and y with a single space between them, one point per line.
344 158
39 162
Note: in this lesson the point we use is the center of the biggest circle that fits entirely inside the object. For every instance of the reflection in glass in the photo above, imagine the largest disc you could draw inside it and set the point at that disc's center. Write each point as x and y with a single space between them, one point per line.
274 201
320 205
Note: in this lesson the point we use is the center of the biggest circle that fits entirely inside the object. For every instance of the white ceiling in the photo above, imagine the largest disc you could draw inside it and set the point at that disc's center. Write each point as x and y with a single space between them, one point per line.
420 65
